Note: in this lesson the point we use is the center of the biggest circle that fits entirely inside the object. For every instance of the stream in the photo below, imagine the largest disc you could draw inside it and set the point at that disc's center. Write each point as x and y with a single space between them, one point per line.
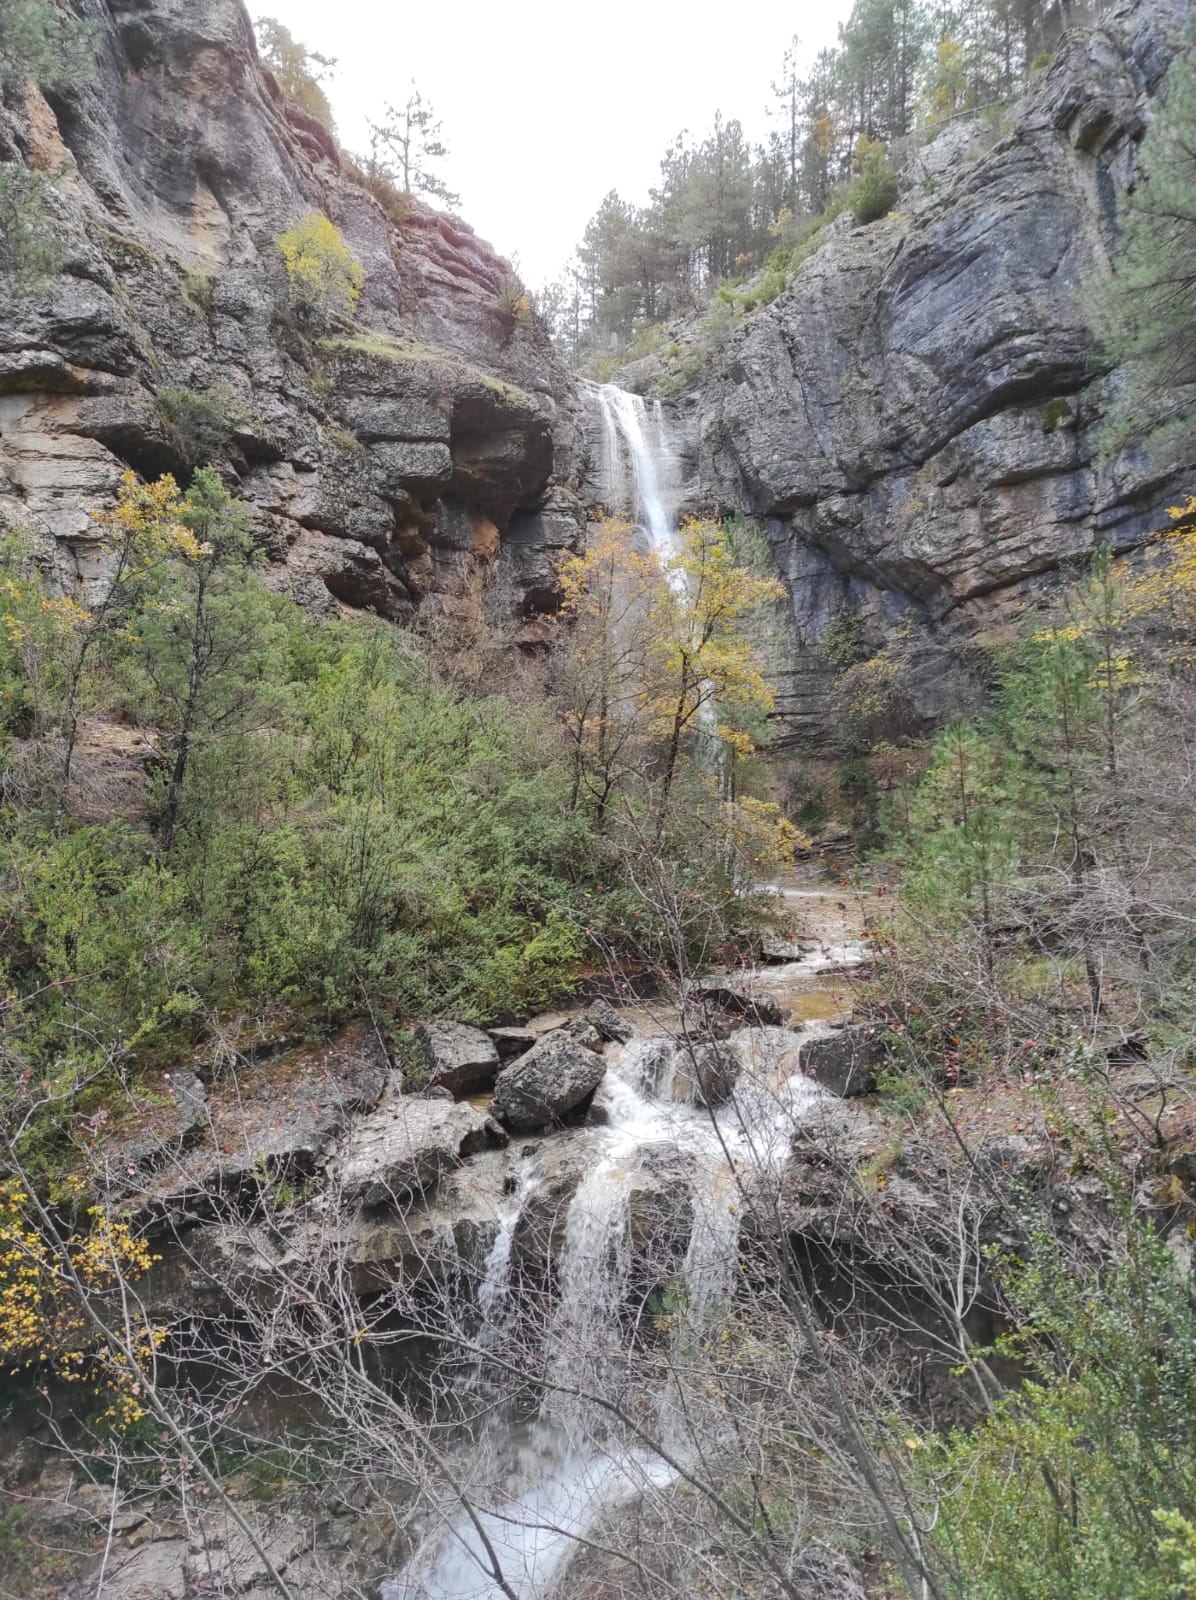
537 1486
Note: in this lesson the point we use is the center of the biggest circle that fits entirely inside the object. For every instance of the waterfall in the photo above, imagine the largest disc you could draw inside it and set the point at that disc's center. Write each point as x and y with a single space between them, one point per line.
633 438
538 1487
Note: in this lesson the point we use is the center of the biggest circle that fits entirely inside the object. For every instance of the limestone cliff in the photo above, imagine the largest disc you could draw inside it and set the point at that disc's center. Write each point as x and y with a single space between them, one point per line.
386 461
916 416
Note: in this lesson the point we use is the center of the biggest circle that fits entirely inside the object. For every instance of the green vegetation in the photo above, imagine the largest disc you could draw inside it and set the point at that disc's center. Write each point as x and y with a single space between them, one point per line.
198 423
43 44
1144 309
873 193
325 823
30 243
297 69
1070 1486
405 153
324 277
721 202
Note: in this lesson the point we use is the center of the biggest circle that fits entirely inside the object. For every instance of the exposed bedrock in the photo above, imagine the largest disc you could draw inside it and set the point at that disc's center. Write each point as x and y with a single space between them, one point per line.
388 461
916 418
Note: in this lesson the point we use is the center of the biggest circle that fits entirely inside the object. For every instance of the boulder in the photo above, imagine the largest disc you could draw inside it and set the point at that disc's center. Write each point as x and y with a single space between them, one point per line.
845 1062
610 1023
725 1003
706 1073
459 1058
512 1042
555 1077
402 1148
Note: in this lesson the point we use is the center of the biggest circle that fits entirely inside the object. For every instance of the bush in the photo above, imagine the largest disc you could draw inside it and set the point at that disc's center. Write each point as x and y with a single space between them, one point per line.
199 423
30 246
42 44
324 277
873 194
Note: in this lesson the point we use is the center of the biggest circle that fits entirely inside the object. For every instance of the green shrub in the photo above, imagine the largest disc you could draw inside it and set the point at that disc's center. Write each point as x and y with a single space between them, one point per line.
199 423
873 193
324 277
197 289
43 44
31 246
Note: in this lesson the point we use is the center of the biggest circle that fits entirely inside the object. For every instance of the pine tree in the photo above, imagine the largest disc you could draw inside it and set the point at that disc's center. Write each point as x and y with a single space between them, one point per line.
406 148
1146 312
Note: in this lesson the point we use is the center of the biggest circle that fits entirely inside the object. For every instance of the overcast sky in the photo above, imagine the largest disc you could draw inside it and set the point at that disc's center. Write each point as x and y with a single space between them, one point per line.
547 106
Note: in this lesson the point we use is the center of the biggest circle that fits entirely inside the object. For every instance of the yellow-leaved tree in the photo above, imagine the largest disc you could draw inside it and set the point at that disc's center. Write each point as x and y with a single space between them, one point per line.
324 277
704 669
610 598
53 1297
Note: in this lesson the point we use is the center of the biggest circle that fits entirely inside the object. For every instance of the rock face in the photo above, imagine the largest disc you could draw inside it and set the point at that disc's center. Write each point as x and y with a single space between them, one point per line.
552 1079
916 417
388 461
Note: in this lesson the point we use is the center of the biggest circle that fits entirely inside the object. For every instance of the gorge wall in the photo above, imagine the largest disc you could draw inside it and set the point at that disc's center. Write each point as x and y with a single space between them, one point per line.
916 417
914 420
385 461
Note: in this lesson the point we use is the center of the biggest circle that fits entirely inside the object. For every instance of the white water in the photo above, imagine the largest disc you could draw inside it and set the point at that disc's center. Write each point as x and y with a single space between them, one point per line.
631 438
536 1488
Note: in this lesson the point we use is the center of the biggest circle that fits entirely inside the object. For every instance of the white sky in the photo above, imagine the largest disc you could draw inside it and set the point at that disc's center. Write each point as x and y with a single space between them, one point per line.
545 106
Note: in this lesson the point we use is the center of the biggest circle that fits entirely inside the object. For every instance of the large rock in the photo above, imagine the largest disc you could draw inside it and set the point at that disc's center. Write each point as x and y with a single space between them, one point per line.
403 1148
459 1057
555 1077
845 1061
727 1002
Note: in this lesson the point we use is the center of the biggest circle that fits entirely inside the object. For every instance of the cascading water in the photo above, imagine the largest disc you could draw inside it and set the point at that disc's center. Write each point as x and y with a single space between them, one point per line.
633 438
535 1489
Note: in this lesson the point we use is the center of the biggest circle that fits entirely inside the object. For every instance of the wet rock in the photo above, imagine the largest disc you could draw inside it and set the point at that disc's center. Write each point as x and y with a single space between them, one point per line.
459 1058
778 949
610 1023
845 1062
511 1042
555 1077
706 1074
402 1148
725 1003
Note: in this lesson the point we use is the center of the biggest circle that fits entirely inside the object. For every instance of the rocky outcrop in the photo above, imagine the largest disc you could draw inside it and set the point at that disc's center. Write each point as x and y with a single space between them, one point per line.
916 418
388 461
402 1148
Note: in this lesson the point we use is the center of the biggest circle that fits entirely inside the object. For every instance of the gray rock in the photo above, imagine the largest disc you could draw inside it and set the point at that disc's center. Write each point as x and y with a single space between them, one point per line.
706 1073
173 277
820 1573
728 1002
460 1058
916 418
609 1022
511 1042
555 1077
845 1062
402 1149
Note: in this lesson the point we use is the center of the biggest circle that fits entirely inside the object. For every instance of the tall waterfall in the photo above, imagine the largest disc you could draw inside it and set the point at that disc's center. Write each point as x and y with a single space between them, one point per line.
639 467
